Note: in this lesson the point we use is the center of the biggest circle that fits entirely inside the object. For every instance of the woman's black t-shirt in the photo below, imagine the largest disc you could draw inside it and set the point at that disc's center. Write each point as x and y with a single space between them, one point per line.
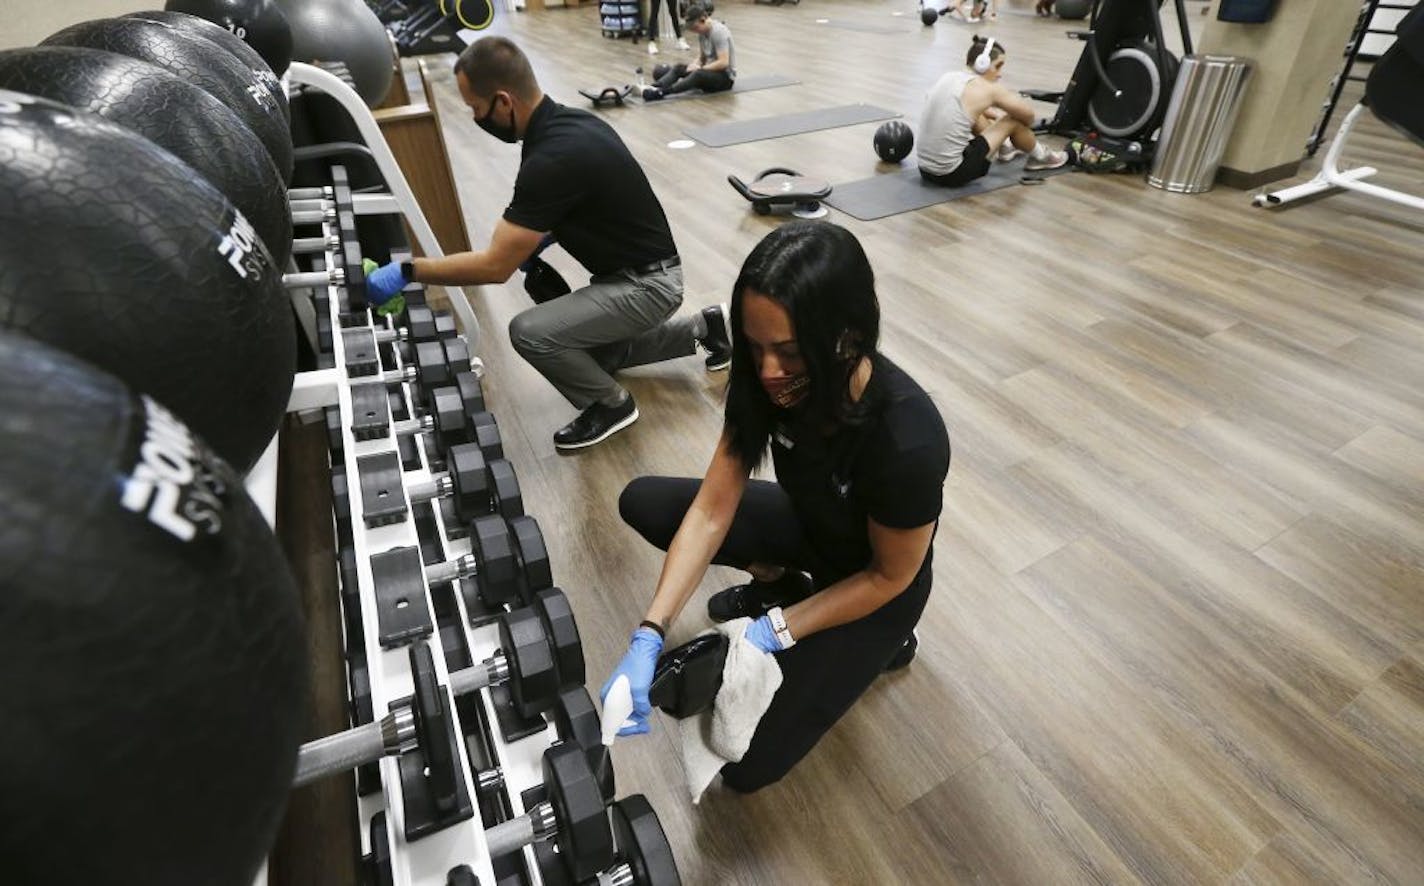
889 468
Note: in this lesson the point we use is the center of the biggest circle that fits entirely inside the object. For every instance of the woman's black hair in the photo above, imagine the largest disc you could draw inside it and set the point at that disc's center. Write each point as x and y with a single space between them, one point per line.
819 274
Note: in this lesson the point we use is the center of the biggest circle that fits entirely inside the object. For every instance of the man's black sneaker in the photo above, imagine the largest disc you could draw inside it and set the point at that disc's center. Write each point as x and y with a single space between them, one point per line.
905 654
755 598
596 424
718 340
652 94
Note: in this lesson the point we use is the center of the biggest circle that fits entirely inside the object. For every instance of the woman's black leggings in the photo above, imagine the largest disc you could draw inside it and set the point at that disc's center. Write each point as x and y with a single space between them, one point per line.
654 6
678 80
822 675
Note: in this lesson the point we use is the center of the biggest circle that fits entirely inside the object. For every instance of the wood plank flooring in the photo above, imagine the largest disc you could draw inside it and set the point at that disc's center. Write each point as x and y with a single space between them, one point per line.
1177 631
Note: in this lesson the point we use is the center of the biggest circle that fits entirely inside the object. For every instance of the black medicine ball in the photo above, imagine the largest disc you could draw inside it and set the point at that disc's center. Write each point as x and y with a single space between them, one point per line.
258 23
151 636
929 15
198 61
168 112
894 141
115 251
264 70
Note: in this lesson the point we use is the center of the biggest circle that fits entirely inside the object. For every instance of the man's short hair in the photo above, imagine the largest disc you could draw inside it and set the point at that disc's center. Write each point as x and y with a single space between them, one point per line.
695 13
491 64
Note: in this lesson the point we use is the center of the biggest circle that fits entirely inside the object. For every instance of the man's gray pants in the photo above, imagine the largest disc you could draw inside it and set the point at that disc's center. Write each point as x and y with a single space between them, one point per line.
617 321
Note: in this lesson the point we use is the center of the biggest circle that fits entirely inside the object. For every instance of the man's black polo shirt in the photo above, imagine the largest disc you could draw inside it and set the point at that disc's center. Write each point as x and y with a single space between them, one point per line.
580 181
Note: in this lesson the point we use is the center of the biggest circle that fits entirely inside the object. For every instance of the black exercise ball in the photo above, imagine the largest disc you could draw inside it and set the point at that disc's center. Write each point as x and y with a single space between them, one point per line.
929 15
344 31
1072 9
259 66
258 23
168 112
115 251
198 61
894 141
151 636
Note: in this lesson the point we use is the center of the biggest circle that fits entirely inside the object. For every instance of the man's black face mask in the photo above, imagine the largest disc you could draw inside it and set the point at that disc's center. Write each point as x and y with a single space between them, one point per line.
503 131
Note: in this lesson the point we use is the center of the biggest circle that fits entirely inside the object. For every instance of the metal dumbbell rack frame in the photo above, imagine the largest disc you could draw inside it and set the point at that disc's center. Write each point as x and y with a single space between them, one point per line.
429 859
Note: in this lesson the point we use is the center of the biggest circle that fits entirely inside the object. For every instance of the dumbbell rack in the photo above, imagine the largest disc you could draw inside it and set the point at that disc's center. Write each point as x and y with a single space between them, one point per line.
429 858
400 849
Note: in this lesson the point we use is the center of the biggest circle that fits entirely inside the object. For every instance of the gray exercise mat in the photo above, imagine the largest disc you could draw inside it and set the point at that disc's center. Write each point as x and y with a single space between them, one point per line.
743 83
736 132
896 192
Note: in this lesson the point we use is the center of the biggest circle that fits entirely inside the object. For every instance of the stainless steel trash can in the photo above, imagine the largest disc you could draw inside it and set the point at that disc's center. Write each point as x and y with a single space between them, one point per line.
1198 124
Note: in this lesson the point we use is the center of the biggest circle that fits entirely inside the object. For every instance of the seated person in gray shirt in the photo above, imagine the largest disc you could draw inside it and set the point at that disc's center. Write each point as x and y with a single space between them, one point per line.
716 67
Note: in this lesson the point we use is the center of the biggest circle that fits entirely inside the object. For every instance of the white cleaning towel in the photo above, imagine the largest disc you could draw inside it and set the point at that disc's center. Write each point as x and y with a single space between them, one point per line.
721 734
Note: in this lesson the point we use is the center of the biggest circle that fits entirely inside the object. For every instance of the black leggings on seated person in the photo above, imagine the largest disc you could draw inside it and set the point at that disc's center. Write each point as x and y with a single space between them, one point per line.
823 674
678 80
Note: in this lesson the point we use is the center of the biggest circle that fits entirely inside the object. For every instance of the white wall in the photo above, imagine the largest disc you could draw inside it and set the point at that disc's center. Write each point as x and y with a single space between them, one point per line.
27 22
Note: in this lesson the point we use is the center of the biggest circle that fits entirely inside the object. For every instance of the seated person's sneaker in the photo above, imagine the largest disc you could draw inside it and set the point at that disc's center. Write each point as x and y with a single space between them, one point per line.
905 654
596 424
755 598
652 94
1007 152
1051 160
718 340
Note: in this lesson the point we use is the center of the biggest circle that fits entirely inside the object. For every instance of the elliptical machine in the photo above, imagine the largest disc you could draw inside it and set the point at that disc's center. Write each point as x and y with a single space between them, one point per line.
1123 80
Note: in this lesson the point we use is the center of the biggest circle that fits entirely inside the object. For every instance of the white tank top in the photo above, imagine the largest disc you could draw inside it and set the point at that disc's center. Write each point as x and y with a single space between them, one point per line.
944 127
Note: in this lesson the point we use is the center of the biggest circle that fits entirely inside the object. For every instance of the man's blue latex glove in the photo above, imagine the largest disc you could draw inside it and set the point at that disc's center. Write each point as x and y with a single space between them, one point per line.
763 636
384 283
637 666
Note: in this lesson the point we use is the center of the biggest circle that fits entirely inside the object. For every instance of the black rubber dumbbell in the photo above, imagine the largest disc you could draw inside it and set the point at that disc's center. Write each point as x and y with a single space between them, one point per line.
643 858
525 662
386 496
575 721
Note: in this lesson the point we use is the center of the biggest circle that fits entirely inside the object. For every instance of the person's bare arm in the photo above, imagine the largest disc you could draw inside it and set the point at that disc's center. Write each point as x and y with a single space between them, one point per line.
1013 104
896 556
719 63
509 246
703 529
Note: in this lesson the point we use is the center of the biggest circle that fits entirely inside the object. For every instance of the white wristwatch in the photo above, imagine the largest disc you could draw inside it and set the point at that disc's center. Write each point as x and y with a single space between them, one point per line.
778 627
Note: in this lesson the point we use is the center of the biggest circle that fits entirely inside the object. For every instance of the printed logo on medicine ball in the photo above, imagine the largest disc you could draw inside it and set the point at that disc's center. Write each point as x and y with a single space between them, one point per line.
176 481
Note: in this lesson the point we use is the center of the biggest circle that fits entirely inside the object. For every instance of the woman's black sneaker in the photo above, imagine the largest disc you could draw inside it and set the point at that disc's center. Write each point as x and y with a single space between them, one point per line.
755 598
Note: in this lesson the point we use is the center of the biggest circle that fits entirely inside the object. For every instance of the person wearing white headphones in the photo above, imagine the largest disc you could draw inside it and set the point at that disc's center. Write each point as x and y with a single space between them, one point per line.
970 116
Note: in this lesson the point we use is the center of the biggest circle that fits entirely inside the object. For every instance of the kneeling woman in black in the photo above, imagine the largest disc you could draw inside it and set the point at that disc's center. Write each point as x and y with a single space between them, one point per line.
838 546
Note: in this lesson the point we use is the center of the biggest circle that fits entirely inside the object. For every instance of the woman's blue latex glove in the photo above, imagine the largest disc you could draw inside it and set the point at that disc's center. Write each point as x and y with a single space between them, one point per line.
763 636
636 668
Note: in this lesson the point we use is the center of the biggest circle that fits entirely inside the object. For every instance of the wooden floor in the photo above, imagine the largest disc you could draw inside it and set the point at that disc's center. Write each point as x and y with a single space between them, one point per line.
1177 631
